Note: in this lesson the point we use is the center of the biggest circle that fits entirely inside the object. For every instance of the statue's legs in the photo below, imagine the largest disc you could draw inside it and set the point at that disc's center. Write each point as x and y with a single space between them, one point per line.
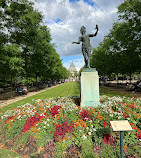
88 57
85 59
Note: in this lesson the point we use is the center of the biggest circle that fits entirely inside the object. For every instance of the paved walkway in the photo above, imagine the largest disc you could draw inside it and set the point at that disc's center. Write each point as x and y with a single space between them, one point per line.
15 99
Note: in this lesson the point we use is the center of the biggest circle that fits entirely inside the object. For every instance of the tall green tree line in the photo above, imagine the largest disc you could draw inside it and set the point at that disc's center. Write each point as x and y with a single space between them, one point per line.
25 44
120 51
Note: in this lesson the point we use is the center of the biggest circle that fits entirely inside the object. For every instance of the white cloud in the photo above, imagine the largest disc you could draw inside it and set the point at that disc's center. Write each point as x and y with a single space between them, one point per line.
73 16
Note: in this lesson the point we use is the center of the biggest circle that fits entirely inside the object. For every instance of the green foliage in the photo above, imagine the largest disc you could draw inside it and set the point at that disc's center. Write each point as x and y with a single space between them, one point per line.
45 134
117 54
101 131
8 154
25 48
109 151
22 139
87 148
16 128
70 116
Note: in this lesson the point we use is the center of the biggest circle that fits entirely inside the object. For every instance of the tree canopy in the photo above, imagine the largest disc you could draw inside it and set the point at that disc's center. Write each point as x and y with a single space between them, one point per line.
25 43
120 51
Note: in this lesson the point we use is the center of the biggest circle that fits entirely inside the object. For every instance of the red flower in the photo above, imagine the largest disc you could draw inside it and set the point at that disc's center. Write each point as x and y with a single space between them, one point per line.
104 124
85 115
139 135
31 121
8 119
108 139
46 114
132 107
53 111
126 116
62 129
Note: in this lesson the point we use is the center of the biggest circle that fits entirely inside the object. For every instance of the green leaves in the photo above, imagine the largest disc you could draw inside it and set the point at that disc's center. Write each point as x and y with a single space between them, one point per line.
25 45
120 50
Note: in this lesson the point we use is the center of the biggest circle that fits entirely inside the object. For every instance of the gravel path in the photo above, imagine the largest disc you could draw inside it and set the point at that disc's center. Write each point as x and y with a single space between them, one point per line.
15 99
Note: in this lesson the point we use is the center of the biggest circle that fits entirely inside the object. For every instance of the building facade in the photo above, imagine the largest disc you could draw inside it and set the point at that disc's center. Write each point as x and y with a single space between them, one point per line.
73 72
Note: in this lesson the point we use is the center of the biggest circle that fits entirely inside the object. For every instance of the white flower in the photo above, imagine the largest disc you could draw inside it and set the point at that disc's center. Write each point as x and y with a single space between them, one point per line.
119 117
111 115
84 137
86 118
116 113
134 122
47 124
94 129
89 133
18 116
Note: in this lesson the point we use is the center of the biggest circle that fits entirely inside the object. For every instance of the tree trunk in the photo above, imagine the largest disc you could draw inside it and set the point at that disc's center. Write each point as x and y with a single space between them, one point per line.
27 82
36 81
11 86
130 77
4 83
117 79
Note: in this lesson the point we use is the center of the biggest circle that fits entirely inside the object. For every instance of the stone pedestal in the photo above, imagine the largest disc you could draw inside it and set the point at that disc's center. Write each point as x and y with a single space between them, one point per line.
89 87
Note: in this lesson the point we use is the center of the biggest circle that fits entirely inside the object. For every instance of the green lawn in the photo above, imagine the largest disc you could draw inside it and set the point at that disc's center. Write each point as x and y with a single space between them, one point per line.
69 88
117 92
4 153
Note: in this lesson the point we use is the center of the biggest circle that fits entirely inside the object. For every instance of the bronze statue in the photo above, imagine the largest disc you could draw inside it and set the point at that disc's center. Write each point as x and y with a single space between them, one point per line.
86 46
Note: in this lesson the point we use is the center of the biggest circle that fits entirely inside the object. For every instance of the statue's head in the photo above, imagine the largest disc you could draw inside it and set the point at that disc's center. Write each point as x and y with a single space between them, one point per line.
83 30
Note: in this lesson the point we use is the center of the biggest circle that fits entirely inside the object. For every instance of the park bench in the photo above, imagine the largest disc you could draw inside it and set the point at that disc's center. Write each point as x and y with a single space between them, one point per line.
19 90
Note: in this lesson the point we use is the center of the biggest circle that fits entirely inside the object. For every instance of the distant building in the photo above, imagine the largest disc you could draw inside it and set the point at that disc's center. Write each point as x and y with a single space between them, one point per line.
73 72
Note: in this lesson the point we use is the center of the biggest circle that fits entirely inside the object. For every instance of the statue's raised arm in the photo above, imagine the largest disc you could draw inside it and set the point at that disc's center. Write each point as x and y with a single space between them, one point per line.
92 35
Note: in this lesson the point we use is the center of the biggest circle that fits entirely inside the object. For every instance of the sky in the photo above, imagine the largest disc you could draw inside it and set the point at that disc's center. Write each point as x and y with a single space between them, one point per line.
64 18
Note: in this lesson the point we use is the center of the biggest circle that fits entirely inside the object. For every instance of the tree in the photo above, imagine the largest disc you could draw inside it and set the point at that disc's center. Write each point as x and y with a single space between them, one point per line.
120 50
22 29
13 63
130 13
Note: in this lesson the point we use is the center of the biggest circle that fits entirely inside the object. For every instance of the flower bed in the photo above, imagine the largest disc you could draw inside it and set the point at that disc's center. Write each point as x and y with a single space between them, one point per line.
60 128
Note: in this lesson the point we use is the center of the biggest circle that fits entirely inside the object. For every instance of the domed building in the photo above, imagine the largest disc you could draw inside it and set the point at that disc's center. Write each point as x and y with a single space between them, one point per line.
73 72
